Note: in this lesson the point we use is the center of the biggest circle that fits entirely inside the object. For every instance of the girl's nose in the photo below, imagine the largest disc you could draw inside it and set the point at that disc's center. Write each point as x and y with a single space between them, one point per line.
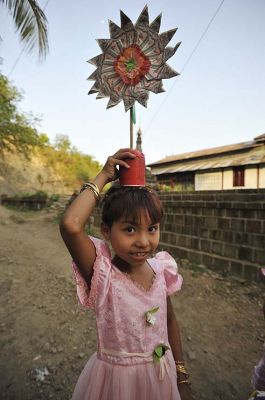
142 241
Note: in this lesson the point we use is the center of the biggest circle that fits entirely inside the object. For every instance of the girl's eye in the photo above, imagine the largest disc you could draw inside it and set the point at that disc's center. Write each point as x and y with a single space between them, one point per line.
153 228
130 229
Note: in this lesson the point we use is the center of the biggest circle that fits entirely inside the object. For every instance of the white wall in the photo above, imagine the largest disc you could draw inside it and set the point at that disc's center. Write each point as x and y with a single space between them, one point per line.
213 180
228 179
251 178
262 176
208 180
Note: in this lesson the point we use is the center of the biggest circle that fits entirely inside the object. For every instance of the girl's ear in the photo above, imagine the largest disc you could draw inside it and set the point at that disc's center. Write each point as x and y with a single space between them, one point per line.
105 230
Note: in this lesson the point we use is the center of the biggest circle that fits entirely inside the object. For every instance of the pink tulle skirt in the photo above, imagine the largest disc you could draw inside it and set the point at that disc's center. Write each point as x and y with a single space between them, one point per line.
101 380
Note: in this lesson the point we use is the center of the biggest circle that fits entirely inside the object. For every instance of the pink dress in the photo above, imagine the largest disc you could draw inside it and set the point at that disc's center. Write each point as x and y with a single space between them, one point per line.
123 367
259 374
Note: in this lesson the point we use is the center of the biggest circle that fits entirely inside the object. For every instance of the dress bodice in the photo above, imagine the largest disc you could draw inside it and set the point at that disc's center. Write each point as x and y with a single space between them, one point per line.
121 304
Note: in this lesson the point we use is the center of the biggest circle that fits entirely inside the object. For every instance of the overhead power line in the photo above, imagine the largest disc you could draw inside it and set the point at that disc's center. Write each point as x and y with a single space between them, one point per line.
186 63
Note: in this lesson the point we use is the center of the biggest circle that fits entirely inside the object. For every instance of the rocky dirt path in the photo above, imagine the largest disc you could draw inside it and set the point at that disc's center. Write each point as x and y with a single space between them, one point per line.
46 337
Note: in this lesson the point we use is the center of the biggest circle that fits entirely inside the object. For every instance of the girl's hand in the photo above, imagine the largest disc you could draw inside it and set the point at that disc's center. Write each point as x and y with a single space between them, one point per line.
110 168
185 392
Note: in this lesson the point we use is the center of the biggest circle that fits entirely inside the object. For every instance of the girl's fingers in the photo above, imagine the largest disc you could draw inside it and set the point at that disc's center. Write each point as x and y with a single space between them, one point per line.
124 153
117 158
110 168
115 161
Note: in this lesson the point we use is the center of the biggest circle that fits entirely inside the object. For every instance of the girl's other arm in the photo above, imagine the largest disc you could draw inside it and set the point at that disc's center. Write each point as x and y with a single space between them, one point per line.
173 333
72 225
176 347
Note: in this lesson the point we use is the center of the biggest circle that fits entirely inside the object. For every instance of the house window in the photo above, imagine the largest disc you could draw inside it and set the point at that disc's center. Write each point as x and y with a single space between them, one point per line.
239 176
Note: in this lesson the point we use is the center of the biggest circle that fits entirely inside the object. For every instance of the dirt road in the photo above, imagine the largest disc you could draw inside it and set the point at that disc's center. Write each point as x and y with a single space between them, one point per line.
46 337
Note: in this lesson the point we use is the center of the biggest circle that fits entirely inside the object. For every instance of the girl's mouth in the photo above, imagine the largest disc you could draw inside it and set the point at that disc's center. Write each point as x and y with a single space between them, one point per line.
140 254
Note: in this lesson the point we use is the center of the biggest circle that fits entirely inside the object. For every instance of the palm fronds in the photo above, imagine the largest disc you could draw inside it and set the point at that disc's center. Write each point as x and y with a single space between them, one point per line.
31 24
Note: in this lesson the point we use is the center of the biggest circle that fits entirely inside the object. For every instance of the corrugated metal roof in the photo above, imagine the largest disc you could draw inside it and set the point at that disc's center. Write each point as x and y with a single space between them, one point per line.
258 141
254 156
260 138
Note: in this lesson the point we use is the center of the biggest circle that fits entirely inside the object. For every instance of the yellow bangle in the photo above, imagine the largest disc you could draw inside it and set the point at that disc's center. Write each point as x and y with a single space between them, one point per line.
181 369
93 187
184 381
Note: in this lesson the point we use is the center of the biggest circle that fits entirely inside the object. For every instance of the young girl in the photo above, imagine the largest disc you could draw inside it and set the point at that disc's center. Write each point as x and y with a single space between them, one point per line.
139 353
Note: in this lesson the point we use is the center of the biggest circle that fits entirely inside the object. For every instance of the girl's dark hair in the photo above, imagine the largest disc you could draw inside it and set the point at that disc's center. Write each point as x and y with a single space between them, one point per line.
128 202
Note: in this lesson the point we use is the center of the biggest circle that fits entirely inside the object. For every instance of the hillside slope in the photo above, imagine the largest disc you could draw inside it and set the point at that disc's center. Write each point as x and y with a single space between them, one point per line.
47 170
19 175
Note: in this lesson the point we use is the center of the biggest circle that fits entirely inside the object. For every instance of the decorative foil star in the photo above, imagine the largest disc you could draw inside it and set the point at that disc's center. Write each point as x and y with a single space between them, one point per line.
133 61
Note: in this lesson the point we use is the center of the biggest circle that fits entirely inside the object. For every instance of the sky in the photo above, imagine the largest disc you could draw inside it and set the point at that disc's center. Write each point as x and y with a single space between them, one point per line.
218 99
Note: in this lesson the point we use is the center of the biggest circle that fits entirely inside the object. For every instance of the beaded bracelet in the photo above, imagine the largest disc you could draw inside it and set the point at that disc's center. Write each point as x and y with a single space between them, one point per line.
93 187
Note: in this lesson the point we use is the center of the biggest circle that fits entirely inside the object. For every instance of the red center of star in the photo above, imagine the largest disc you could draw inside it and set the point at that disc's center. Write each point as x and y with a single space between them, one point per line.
132 65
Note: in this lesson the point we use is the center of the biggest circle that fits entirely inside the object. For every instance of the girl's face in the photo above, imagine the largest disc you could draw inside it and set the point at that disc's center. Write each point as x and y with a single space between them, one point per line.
133 241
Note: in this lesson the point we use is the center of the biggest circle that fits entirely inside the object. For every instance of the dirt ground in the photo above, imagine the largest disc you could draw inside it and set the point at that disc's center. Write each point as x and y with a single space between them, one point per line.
46 337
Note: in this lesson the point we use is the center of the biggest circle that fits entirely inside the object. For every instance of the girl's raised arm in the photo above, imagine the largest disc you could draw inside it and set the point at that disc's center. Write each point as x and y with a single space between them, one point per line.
72 225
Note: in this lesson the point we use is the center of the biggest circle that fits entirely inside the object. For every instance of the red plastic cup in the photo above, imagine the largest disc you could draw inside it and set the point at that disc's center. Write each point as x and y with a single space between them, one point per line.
135 175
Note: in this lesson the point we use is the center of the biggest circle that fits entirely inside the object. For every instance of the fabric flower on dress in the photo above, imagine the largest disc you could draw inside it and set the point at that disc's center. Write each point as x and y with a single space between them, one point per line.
159 351
133 61
158 356
149 316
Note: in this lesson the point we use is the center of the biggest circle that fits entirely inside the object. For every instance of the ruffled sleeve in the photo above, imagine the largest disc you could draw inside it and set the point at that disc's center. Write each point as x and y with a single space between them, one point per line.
172 278
92 297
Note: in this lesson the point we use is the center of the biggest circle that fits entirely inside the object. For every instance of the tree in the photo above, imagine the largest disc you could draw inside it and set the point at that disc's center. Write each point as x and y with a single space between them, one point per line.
16 132
18 135
31 23
62 143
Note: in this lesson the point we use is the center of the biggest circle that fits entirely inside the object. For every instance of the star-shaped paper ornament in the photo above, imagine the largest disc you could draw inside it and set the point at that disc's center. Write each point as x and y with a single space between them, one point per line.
133 61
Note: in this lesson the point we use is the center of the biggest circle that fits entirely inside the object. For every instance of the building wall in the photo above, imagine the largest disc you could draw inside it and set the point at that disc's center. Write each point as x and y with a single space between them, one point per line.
182 181
223 231
215 181
228 179
251 178
208 180
262 176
